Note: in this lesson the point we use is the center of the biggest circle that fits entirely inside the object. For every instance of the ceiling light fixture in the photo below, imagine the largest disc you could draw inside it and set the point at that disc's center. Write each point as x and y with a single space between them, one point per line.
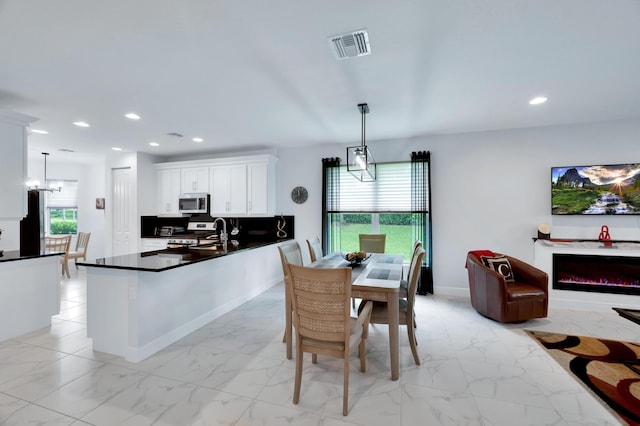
132 116
154 144
115 148
41 132
197 140
360 162
34 184
538 100
80 124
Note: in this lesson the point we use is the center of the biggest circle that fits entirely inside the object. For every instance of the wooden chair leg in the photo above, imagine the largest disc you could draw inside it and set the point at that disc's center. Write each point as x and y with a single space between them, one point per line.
296 386
363 359
345 390
413 343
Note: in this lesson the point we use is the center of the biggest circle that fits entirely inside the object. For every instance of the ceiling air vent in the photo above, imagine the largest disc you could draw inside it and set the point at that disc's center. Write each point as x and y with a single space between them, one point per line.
352 44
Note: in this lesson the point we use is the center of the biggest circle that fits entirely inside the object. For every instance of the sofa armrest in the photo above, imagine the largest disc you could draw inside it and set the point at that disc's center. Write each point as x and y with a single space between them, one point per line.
529 274
493 284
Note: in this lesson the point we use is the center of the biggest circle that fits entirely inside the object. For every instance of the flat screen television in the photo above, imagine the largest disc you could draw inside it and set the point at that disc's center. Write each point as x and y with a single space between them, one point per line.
596 190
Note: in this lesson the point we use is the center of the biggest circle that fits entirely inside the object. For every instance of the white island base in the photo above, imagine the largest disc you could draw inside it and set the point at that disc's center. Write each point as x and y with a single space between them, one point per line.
135 314
29 295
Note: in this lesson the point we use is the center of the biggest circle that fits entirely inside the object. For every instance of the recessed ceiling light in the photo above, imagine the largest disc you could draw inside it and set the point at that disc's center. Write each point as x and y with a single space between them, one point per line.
197 139
537 101
80 124
154 144
42 132
132 116
115 148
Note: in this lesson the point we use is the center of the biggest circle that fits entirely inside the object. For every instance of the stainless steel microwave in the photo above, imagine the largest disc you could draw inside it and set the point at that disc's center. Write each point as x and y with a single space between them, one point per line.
193 203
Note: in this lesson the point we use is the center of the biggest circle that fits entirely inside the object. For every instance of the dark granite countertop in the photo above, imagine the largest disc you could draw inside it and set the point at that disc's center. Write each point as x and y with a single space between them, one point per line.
162 260
14 255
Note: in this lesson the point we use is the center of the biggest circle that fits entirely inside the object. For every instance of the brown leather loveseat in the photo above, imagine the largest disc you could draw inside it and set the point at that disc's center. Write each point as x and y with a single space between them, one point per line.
525 298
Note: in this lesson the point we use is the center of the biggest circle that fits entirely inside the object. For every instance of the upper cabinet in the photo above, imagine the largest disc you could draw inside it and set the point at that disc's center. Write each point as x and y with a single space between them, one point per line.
239 186
229 190
259 201
13 164
195 179
168 191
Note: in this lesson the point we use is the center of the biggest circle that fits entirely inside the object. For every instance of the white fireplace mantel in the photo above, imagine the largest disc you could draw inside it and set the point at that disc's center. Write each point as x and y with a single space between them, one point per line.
583 300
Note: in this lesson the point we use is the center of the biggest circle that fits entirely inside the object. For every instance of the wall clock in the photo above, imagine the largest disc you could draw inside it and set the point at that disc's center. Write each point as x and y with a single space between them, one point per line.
299 194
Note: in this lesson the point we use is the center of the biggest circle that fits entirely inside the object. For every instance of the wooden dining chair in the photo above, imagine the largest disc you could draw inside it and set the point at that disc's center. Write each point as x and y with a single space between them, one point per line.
379 314
81 248
315 249
372 243
404 284
61 245
323 323
290 253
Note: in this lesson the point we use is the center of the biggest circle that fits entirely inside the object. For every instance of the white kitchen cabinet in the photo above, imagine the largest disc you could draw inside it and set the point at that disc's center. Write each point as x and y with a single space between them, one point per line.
239 186
13 164
195 179
168 191
229 190
257 189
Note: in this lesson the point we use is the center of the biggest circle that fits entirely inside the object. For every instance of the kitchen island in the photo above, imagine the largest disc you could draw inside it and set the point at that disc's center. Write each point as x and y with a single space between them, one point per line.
139 304
29 292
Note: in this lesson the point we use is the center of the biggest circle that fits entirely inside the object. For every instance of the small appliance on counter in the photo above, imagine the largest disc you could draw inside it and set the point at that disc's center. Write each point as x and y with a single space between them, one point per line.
167 231
194 203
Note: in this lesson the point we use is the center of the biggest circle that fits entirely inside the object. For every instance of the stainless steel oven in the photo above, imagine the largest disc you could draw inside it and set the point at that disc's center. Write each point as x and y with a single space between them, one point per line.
193 203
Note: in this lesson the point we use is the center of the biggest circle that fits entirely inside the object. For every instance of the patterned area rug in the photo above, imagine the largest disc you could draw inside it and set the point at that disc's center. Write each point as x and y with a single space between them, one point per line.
610 369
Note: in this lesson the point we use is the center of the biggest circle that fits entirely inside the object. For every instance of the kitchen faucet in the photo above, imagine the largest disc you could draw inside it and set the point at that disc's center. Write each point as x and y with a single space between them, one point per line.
223 235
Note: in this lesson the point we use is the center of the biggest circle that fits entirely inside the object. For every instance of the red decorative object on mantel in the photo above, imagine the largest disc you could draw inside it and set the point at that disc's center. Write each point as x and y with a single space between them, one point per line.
604 236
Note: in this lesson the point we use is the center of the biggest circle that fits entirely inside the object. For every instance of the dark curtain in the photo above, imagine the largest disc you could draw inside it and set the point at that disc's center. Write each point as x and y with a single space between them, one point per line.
330 204
421 212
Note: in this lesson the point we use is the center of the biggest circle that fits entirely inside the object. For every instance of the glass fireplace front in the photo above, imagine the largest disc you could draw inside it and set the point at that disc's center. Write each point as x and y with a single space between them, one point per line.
604 274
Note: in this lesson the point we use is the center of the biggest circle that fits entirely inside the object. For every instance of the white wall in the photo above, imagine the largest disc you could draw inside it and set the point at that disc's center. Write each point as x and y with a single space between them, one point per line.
91 184
490 190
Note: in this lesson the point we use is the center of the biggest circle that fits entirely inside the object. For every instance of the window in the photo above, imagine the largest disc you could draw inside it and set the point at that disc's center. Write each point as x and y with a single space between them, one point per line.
397 204
379 207
62 209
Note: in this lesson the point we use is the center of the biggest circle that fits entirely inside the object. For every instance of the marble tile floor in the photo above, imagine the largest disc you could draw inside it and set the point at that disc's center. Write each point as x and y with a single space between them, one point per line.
234 372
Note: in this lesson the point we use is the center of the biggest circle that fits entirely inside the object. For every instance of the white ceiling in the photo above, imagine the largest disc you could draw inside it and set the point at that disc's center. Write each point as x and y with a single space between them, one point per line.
255 74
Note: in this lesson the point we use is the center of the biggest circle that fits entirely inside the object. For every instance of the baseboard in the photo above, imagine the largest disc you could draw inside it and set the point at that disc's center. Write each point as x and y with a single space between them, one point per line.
141 353
452 291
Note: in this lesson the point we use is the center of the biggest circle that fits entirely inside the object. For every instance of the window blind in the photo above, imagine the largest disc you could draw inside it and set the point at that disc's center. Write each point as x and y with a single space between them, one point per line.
390 192
66 198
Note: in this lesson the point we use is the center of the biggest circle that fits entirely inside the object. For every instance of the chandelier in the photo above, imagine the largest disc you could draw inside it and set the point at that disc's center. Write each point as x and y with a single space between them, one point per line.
35 184
360 162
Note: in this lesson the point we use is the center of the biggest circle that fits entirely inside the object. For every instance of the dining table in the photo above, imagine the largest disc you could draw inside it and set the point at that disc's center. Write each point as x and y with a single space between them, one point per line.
376 278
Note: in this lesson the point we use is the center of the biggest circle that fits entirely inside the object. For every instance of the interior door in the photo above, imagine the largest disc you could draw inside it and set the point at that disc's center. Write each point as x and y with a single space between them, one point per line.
121 184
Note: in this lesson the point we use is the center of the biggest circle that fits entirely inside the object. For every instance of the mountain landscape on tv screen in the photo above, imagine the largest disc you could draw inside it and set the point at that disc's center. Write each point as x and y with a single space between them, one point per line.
595 190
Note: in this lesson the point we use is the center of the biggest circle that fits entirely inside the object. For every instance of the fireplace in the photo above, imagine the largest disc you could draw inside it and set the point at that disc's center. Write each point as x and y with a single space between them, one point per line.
596 273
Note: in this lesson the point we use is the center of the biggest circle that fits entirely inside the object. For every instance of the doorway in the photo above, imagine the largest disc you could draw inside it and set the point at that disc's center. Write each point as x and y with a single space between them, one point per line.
121 196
